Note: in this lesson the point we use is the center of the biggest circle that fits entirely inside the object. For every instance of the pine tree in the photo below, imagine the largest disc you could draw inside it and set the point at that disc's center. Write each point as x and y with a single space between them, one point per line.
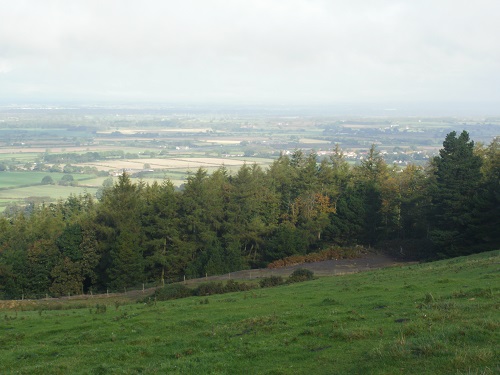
454 196
414 201
488 223
164 253
371 175
121 235
252 212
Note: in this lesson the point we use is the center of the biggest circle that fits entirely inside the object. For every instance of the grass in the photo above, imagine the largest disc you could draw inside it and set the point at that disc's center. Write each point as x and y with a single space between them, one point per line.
15 179
48 193
20 156
434 318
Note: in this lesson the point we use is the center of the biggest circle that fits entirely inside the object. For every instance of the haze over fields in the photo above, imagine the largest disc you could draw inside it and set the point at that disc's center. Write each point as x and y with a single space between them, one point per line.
397 54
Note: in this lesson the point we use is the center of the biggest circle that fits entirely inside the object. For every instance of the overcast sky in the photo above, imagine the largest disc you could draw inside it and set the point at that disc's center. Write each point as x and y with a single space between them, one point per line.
255 52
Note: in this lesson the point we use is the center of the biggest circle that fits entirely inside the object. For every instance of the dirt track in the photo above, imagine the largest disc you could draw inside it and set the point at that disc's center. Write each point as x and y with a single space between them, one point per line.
325 268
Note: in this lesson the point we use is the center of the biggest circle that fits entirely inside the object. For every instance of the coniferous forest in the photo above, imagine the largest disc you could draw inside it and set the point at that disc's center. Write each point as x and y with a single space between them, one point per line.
217 223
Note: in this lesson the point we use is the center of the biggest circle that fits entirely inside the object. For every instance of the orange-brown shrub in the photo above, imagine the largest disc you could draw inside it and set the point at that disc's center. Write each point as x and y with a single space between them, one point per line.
334 252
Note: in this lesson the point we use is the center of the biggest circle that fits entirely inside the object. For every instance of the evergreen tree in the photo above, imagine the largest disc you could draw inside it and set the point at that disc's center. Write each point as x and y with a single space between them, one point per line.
346 224
280 178
488 202
194 220
165 255
371 175
413 187
89 248
455 194
252 212
120 234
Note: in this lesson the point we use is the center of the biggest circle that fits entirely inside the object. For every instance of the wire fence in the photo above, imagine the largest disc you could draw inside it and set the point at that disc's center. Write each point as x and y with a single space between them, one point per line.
145 288
137 290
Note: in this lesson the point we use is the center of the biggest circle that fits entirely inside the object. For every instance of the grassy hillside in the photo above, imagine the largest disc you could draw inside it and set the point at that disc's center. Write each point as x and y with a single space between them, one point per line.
434 318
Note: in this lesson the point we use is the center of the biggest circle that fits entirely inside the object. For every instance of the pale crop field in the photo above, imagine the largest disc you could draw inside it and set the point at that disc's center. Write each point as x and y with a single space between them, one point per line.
222 141
177 163
314 141
141 131
31 152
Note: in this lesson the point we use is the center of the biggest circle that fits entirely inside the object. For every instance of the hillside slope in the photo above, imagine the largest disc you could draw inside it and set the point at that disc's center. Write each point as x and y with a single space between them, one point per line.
434 318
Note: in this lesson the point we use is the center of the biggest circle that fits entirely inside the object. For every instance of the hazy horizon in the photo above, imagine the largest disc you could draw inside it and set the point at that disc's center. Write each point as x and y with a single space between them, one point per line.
307 53
460 110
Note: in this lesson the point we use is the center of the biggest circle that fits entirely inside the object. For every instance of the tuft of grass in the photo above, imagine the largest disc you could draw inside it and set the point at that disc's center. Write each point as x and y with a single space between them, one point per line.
267 282
330 302
354 334
429 298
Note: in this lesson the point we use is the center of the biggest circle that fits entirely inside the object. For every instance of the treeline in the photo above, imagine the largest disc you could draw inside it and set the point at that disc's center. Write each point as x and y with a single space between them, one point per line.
219 223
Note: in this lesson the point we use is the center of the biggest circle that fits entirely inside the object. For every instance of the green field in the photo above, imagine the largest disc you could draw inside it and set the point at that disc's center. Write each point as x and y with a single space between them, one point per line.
42 193
19 156
15 179
52 191
433 318
16 187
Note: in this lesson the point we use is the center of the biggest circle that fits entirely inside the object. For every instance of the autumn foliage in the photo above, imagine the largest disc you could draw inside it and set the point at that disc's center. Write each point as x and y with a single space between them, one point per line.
332 253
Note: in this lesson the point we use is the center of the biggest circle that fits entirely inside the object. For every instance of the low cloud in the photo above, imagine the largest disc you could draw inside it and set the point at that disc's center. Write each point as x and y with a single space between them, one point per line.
299 50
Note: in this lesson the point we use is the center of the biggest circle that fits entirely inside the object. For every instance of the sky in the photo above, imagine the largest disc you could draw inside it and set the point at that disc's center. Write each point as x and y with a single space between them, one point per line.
296 52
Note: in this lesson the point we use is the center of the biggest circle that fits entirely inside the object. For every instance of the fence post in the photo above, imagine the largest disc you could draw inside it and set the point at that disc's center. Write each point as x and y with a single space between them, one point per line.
143 287
184 279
